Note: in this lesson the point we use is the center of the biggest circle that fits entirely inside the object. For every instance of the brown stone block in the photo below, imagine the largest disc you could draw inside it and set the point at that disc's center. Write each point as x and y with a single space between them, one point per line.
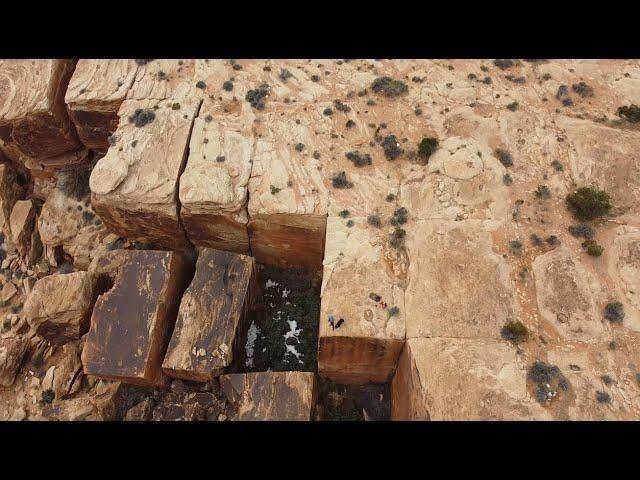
211 313
274 396
95 92
132 323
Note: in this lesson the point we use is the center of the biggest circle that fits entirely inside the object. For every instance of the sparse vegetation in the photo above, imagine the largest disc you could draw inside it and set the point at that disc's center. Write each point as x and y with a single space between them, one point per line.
614 312
603 397
48 396
592 248
557 165
389 87
536 240
359 159
548 381
513 106
397 238
582 89
393 311
257 97
374 220
588 203
340 181
274 190
630 113
427 147
503 63
582 231
506 179
391 146
142 117
515 246
543 192
505 157
515 332
344 214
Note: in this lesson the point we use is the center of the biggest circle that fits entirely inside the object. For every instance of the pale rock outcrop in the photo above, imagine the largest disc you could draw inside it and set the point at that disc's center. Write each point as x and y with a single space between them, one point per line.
287 196
134 186
624 269
461 379
362 313
458 287
568 295
274 396
33 118
59 306
214 185
213 310
93 98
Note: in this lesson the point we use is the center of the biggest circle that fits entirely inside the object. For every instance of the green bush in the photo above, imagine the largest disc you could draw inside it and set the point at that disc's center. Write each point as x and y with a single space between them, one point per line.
593 248
630 113
427 147
587 203
514 332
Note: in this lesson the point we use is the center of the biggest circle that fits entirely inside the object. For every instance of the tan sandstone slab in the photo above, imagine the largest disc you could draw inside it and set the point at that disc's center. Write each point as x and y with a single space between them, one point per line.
33 118
132 323
212 311
59 306
95 93
458 286
134 186
361 332
274 396
568 295
214 185
21 224
461 379
287 196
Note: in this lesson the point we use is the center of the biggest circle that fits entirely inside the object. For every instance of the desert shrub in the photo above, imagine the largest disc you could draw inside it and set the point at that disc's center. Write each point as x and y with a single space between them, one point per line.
427 147
587 203
396 239
543 192
340 181
514 332
592 248
603 397
505 157
582 231
582 89
374 220
399 217
614 312
391 146
359 159
503 63
630 113
389 87
548 381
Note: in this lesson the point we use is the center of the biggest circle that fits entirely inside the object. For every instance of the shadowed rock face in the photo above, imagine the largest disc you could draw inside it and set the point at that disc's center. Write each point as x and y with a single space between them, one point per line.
33 119
96 90
132 323
275 396
212 311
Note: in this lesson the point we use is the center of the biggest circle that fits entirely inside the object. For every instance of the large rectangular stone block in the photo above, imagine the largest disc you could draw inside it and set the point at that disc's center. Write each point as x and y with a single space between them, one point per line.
212 312
131 324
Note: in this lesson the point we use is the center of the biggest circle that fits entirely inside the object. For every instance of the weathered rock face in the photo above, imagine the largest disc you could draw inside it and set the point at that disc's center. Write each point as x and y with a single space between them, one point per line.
21 224
608 158
212 312
624 268
93 98
274 396
362 314
213 187
132 323
12 351
458 287
10 193
59 306
287 196
567 295
33 120
68 220
461 379
134 186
